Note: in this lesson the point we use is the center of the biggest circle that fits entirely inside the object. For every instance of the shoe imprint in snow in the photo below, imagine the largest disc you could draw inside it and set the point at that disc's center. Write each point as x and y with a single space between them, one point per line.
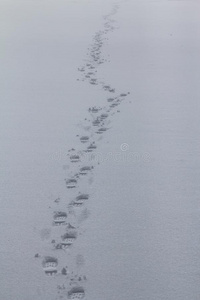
96 122
71 183
91 147
114 104
74 158
124 94
79 201
106 87
101 130
68 239
84 139
76 293
93 83
94 110
103 116
50 265
59 218
85 170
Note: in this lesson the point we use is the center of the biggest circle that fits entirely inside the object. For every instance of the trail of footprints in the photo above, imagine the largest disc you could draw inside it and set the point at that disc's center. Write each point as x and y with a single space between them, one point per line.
82 165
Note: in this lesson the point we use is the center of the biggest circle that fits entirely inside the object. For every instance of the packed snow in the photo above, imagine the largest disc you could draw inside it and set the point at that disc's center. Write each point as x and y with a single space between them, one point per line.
100 144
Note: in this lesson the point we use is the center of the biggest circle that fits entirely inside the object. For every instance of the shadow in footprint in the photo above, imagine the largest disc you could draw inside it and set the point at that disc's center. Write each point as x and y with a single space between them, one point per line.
84 139
74 158
79 201
59 218
85 170
91 147
76 293
101 130
71 183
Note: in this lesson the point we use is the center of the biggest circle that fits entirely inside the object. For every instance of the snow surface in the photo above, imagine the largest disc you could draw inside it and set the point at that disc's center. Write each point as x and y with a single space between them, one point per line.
137 236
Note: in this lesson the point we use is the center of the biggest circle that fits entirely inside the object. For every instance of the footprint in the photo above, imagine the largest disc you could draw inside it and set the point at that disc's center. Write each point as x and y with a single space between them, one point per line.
81 69
106 87
84 139
101 130
93 83
110 99
76 293
113 105
91 147
75 158
79 201
85 170
71 183
93 79
103 116
50 265
94 110
124 95
68 239
82 197
96 122
59 218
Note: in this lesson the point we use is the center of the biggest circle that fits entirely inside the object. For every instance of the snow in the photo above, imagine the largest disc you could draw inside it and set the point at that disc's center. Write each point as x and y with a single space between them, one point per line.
138 233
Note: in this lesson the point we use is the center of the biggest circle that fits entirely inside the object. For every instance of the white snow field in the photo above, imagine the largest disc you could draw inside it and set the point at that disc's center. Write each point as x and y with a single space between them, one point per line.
100 133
